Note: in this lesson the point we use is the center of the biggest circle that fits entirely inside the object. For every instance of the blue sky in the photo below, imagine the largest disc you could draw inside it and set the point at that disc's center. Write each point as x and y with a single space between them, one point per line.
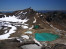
35 4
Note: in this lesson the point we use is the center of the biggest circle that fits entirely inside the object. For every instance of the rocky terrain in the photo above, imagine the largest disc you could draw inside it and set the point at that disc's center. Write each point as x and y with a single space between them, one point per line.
13 27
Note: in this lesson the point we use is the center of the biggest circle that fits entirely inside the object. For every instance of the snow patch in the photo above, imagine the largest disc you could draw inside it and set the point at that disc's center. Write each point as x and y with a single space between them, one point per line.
6 31
25 13
28 32
25 37
41 15
19 40
13 19
5 36
24 27
37 42
5 15
21 12
31 46
31 27
25 24
34 20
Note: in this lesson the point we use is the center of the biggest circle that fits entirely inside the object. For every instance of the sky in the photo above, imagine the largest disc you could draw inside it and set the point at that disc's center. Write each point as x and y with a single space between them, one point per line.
34 4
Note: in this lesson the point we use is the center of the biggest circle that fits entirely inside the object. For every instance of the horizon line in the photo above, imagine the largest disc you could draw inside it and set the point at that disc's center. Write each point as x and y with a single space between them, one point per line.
35 10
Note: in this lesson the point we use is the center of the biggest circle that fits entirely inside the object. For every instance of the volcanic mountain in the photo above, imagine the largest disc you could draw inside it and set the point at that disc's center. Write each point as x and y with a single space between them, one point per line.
14 25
